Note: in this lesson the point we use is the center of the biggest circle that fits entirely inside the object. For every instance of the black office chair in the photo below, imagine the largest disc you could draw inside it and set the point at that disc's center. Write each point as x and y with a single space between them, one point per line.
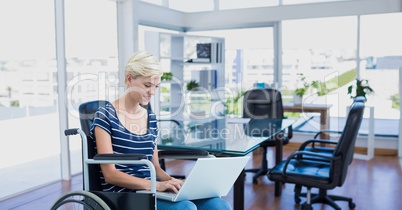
326 171
260 104
329 147
326 148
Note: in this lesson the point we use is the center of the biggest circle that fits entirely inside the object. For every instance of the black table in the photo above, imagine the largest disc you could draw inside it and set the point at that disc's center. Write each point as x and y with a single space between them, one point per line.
224 137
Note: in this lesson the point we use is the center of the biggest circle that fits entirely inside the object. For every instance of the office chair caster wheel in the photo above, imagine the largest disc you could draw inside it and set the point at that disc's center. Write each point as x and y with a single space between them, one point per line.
255 181
80 200
297 200
306 206
352 205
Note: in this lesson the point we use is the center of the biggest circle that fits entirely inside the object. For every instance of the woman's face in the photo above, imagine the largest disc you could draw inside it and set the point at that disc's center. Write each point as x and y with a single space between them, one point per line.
141 88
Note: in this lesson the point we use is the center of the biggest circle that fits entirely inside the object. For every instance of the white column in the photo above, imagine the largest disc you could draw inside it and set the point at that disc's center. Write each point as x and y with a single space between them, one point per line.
400 114
127 33
278 54
61 81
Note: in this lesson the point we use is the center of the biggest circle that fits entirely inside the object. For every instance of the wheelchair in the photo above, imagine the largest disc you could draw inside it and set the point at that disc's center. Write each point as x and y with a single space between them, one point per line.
92 197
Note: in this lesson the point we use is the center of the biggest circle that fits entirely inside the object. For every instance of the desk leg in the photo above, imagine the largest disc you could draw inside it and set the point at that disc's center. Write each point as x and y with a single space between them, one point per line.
324 123
238 192
278 159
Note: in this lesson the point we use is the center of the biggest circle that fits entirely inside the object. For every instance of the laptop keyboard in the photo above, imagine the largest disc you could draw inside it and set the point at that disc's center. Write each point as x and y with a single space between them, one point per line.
168 193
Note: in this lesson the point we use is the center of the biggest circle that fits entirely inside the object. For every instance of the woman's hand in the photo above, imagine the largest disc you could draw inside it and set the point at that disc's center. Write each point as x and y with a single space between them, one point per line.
169 185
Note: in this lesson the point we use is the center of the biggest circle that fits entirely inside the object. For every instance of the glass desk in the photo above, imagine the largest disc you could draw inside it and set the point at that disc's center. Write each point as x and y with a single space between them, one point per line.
224 137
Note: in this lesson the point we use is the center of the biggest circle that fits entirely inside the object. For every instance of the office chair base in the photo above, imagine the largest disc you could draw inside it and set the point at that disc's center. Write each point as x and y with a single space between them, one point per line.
258 172
261 171
323 198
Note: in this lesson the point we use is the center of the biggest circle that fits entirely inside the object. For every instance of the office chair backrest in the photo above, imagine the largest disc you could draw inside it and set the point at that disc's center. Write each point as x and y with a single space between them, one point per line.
86 112
359 99
263 103
346 145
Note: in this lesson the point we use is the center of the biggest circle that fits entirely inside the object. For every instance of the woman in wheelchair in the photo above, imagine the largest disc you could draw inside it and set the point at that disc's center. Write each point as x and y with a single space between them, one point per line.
124 126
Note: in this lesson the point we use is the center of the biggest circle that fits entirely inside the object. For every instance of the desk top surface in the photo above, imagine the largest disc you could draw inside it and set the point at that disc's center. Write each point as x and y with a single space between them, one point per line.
228 136
306 107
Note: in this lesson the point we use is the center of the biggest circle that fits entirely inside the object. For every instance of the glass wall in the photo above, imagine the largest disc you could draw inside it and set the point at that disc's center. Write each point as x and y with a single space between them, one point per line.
92 61
323 51
29 142
380 60
29 122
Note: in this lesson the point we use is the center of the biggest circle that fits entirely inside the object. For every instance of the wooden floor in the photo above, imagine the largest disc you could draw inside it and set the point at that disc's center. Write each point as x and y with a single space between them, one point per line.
374 185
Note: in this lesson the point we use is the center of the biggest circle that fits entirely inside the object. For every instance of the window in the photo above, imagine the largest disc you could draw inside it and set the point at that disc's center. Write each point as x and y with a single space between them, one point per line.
192 6
92 66
247 61
239 4
29 146
381 58
323 50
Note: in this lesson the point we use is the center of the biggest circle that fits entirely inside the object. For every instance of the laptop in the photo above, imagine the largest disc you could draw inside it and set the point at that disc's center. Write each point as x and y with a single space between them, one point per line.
210 177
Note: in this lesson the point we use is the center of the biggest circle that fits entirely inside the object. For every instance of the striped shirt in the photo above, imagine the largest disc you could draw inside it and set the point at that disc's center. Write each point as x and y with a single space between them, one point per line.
124 141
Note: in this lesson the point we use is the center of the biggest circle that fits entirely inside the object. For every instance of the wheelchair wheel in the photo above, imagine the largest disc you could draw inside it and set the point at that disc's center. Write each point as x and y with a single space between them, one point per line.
80 200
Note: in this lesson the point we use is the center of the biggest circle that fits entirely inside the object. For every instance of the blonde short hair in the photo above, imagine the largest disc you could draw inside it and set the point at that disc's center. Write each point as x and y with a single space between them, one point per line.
143 63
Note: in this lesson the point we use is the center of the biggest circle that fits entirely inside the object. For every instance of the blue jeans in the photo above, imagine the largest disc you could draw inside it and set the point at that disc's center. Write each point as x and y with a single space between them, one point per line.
201 204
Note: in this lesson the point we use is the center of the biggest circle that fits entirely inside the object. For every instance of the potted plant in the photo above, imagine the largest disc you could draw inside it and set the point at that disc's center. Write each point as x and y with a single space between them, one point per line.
301 89
362 88
167 76
192 85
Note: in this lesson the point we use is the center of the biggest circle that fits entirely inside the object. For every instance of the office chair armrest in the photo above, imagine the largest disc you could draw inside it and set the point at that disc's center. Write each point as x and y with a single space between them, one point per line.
313 141
301 153
325 131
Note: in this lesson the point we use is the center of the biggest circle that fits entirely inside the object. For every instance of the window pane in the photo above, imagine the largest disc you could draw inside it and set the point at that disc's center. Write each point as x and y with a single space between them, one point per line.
29 146
92 66
381 58
156 2
192 6
323 50
247 62
239 4
285 2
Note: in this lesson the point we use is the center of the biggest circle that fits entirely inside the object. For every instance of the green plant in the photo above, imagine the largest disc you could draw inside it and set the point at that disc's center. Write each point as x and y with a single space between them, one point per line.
192 85
302 89
395 101
232 104
167 76
362 88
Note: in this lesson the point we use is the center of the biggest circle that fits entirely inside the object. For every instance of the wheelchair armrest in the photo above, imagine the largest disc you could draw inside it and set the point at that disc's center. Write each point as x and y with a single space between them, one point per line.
119 157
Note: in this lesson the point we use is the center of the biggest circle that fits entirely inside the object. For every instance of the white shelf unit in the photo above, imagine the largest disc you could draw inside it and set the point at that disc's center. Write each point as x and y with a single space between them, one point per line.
172 100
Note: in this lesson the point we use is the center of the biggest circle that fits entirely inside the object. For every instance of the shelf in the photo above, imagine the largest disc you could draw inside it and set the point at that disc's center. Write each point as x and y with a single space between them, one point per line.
174 50
175 58
169 105
171 82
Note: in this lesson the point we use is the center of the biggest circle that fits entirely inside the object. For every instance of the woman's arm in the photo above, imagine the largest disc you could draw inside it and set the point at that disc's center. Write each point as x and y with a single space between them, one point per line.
167 182
160 173
118 178
111 174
